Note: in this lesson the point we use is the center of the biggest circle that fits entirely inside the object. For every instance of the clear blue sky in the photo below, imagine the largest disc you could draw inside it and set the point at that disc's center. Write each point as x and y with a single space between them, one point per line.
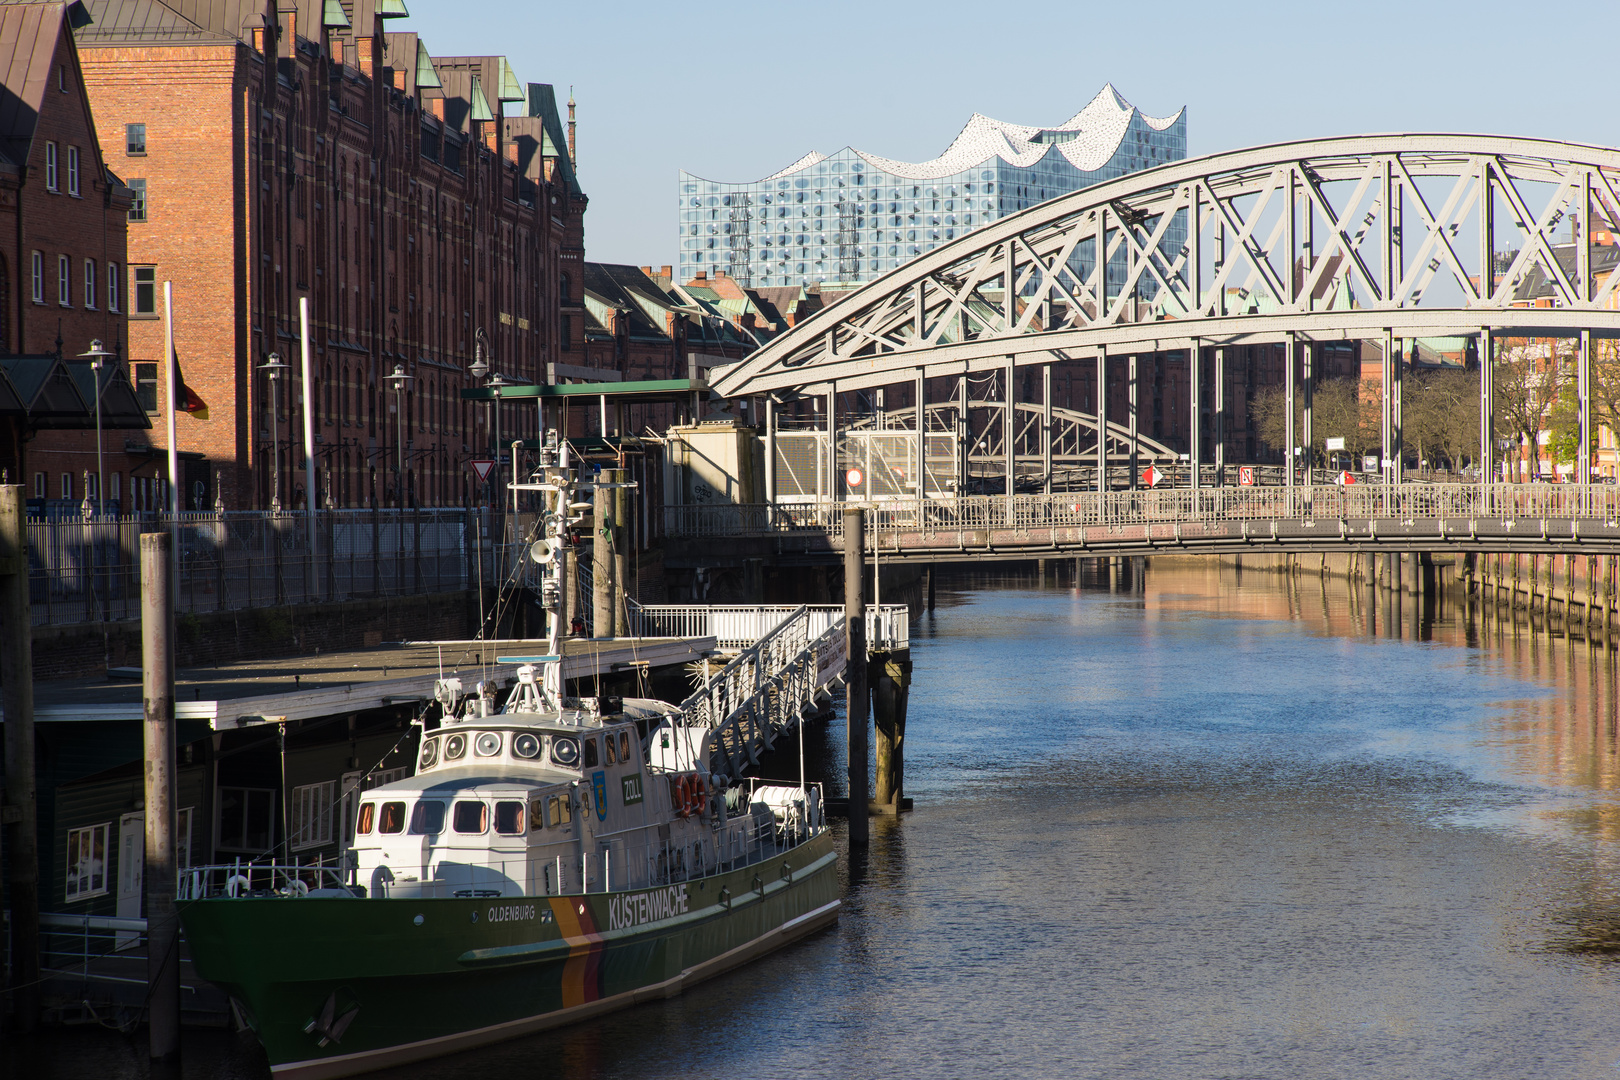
735 92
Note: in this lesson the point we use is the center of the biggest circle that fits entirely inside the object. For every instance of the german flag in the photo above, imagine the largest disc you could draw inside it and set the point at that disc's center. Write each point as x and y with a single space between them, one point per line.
188 399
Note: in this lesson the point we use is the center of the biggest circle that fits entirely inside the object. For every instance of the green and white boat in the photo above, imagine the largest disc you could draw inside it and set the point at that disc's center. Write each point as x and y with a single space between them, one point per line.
549 862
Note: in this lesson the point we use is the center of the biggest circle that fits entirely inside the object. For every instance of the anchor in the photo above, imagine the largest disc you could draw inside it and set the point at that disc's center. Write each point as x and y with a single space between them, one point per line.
330 1026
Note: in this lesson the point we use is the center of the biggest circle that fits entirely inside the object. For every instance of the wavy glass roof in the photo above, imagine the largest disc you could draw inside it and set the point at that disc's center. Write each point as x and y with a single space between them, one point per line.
1088 140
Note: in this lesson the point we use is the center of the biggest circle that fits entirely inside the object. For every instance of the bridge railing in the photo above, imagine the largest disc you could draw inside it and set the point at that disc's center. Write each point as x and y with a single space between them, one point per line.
1152 506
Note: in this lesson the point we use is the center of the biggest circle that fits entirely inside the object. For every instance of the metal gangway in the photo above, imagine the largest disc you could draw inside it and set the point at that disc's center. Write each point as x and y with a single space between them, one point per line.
789 661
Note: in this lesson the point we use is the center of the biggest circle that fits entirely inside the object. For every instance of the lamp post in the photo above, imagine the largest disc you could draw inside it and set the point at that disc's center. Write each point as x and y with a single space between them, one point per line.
98 357
399 380
273 367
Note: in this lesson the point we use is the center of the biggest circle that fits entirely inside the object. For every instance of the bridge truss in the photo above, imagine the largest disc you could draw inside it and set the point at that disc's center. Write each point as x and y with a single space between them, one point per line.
955 447
1382 238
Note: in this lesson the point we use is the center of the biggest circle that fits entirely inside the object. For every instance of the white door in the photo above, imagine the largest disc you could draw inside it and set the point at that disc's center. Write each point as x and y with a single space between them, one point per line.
131 866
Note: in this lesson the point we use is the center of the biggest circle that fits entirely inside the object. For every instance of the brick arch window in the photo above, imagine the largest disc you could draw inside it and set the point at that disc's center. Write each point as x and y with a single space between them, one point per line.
562 287
343 395
326 396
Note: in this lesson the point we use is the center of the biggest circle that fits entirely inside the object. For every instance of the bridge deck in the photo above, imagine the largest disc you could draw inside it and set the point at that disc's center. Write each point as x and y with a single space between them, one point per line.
1402 517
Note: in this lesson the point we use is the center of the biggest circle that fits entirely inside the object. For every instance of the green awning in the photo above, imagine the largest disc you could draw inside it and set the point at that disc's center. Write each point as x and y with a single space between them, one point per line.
648 389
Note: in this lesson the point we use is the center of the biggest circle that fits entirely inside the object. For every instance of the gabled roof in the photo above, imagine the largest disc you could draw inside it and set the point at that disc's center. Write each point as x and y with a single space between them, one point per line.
198 22
29 36
463 94
405 52
628 289
175 22
48 391
120 408
540 101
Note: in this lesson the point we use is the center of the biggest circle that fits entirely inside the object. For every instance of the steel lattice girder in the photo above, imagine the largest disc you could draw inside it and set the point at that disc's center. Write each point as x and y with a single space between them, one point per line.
1328 240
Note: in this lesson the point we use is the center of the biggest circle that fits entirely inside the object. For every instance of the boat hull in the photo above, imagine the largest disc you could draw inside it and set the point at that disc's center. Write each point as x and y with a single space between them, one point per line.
401 980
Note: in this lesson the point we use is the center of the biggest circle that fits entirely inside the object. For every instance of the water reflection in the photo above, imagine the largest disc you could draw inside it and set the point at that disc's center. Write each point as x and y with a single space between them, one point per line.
1191 822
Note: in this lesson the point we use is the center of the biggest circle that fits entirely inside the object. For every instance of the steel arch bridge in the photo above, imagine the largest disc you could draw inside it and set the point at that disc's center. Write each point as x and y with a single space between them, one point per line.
1382 237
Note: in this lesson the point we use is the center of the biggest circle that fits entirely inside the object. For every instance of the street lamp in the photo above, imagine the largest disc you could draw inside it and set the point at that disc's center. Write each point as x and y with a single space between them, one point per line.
273 367
98 357
399 380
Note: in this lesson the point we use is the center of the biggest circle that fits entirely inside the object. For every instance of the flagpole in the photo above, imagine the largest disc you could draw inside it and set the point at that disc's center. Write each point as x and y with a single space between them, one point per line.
309 431
174 451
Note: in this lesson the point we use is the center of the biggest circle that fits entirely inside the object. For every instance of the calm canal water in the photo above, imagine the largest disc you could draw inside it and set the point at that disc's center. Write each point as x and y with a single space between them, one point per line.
1221 827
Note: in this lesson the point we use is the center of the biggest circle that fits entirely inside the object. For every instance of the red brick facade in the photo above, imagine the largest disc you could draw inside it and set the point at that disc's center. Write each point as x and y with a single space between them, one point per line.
62 218
306 164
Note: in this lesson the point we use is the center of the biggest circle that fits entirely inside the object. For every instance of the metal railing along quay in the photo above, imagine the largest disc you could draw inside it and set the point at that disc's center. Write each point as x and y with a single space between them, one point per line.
1446 514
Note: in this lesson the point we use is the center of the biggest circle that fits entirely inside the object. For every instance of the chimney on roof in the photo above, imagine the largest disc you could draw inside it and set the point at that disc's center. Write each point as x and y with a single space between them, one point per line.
572 159
702 275
667 271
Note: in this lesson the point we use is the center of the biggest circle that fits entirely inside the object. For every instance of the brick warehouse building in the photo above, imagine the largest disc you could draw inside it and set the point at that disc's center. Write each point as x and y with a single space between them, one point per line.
302 149
62 267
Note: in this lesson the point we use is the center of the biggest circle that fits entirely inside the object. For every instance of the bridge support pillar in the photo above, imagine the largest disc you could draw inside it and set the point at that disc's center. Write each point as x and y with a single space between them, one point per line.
930 572
890 674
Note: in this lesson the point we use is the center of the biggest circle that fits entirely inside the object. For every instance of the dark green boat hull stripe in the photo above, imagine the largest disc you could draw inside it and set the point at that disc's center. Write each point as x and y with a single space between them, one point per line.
475 971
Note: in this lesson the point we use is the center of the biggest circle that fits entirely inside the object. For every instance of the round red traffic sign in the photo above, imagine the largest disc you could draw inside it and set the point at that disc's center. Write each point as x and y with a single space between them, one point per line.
853 478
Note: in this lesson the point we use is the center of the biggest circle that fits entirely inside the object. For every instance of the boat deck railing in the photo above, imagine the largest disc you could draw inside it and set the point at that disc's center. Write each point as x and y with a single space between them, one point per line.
747 838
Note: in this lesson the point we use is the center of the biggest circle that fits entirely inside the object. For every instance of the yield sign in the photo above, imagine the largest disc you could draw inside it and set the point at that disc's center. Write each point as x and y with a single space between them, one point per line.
481 466
1151 476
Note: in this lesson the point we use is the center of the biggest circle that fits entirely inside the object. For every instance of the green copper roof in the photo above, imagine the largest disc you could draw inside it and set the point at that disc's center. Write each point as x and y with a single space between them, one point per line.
391 9
511 89
480 104
426 77
333 15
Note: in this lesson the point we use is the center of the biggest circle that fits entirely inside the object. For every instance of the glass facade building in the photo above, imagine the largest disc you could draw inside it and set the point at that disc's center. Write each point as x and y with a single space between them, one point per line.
848 218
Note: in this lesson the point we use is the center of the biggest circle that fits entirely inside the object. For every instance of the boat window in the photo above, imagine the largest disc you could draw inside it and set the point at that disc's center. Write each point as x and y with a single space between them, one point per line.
393 818
430 753
537 815
590 753
509 818
471 817
368 814
454 747
624 746
487 744
612 756
558 811
427 818
565 751
526 746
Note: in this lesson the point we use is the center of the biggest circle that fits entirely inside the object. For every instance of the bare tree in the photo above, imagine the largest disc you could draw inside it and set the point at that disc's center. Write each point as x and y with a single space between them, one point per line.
1440 415
1527 383
1339 409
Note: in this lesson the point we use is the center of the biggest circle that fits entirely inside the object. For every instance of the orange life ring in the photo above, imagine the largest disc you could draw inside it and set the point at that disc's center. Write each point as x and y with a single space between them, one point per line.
683 796
700 794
